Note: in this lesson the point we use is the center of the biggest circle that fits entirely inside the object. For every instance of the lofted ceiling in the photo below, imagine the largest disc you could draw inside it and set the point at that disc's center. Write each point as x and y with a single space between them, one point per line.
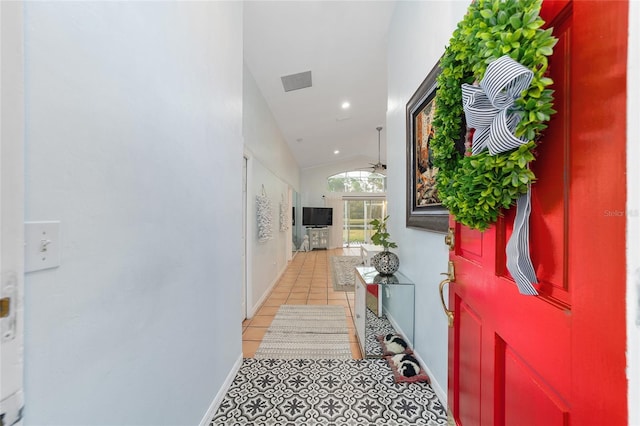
343 44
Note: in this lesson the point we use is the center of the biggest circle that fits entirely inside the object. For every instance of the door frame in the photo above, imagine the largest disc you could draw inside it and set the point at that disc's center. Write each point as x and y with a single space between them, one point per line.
12 120
245 264
633 214
249 231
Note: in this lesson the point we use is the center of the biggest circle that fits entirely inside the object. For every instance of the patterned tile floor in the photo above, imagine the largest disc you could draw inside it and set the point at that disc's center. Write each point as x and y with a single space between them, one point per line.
376 326
319 392
325 392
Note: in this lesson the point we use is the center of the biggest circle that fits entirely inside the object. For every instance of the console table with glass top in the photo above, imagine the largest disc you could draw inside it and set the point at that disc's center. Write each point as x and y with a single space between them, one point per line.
383 305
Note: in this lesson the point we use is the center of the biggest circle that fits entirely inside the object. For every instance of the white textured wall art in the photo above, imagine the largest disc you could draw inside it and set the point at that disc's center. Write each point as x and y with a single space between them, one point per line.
284 216
265 218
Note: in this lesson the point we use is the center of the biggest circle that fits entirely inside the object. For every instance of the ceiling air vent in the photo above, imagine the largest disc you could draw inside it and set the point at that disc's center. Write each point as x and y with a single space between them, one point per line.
296 81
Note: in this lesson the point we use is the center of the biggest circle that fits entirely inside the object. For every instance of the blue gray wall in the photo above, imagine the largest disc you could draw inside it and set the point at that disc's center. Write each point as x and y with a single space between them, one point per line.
133 141
418 34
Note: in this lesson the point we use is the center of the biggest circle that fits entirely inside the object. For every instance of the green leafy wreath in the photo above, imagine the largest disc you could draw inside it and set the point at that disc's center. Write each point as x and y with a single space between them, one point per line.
476 188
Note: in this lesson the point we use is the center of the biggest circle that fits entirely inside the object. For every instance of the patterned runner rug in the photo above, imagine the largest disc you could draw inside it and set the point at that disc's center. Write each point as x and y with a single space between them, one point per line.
344 278
307 332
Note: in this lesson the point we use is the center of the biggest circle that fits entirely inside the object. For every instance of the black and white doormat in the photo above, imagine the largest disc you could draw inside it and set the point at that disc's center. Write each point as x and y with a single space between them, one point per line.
281 392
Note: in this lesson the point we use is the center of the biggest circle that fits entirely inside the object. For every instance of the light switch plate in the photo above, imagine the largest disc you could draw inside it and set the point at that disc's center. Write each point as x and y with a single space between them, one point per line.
42 245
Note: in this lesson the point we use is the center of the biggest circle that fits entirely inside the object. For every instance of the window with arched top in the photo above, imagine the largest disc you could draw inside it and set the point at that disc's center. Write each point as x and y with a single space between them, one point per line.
357 181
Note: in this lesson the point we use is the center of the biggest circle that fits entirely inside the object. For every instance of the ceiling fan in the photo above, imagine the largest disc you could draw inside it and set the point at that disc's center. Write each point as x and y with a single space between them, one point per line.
379 167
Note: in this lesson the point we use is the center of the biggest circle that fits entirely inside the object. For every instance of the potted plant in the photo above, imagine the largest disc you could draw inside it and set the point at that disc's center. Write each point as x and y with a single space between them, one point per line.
385 262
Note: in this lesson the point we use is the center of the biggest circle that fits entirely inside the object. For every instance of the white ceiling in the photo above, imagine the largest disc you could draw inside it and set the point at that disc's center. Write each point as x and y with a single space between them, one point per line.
343 44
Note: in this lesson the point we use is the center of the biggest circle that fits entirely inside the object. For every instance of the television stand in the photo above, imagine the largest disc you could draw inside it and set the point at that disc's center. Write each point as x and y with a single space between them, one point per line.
318 237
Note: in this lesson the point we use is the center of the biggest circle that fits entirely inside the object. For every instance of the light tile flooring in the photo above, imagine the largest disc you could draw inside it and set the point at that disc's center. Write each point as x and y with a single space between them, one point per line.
306 281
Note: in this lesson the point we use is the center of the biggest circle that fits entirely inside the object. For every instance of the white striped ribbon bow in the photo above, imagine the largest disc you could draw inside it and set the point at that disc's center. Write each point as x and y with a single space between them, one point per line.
489 110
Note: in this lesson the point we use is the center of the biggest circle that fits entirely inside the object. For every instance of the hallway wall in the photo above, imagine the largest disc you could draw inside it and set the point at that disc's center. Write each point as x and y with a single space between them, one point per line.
133 142
418 34
263 137
272 165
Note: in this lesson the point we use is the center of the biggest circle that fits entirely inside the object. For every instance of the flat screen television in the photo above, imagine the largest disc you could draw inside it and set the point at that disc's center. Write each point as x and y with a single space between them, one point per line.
317 216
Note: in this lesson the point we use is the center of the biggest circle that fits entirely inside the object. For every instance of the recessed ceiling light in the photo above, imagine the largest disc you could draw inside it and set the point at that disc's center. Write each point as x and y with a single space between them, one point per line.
336 152
345 105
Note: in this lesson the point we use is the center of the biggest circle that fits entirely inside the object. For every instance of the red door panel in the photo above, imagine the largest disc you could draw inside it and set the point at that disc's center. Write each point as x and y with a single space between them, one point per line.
549 196
469 355
469 243
557 358
528 400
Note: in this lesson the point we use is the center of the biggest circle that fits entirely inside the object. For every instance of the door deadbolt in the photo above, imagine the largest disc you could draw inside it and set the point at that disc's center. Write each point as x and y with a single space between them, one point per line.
450 239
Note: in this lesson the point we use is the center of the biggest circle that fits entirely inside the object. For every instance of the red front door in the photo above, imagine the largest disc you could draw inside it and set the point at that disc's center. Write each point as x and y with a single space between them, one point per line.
557 358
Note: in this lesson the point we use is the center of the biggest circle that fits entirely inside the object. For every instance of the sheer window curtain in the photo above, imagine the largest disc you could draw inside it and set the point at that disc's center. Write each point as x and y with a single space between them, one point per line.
337 204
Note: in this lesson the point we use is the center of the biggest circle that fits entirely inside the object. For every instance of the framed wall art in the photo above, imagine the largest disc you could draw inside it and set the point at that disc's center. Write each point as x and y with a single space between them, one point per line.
424 208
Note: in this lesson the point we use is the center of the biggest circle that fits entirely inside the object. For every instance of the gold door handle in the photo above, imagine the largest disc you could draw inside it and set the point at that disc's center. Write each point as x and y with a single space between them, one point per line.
451 276
448 312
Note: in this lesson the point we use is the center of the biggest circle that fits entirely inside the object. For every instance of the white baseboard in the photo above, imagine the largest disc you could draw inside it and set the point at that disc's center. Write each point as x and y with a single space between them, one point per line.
265 295
437 388
221 393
